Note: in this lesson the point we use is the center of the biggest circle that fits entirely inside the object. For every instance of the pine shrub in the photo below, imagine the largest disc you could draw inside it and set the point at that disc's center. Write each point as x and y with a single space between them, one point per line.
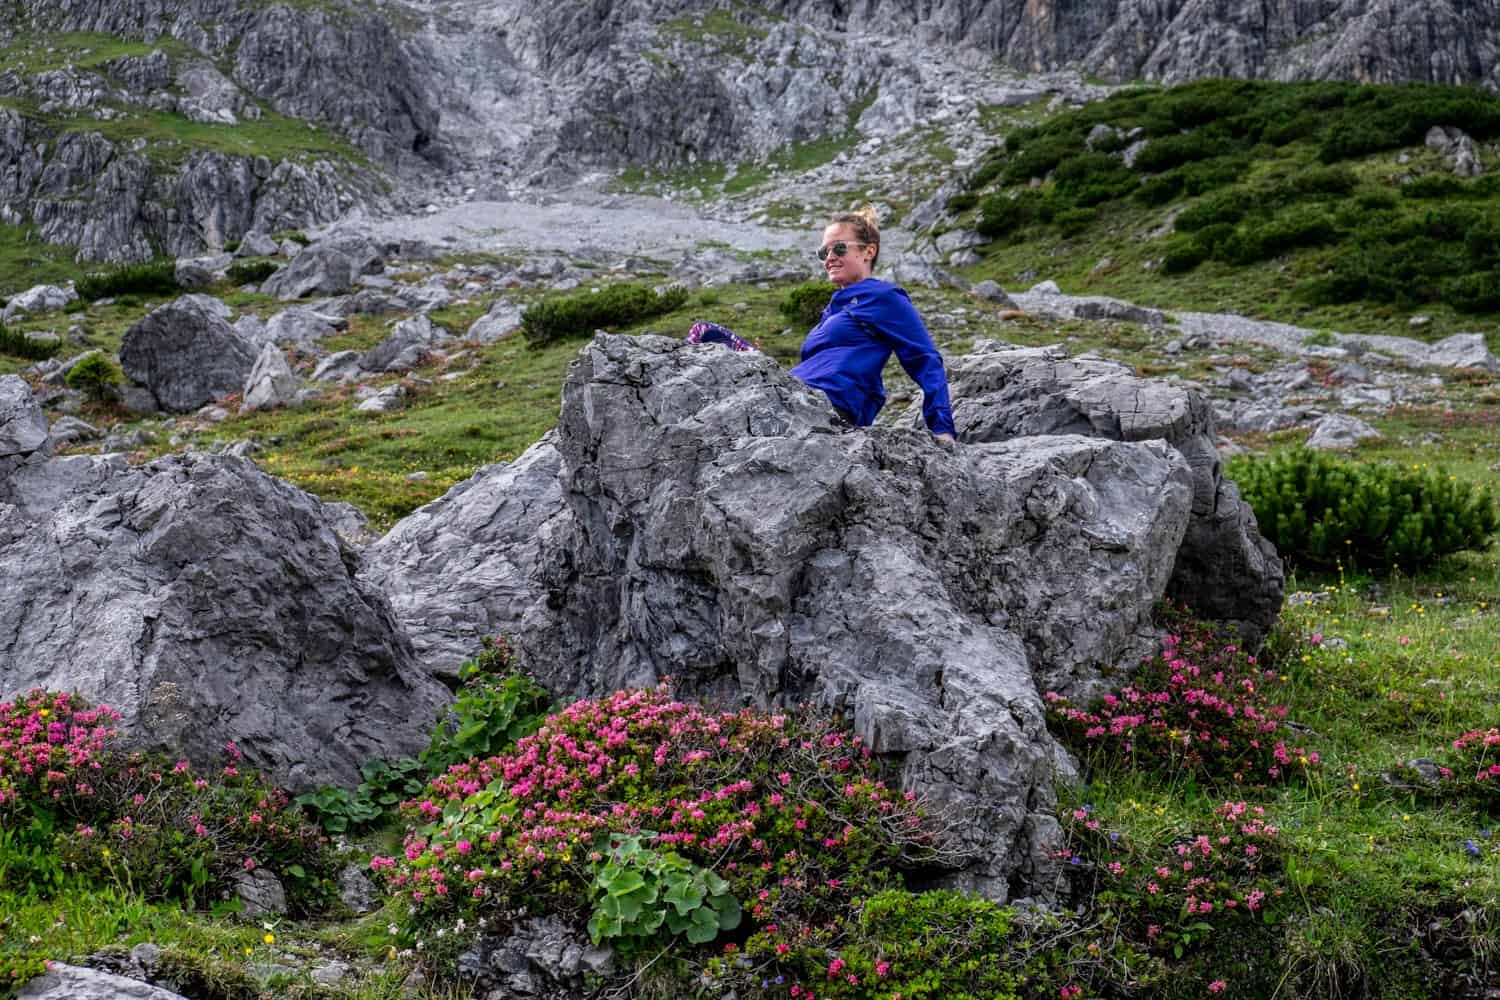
158 277
19 345
803 305
95 375
1320 510
1000 214
248 272
583 312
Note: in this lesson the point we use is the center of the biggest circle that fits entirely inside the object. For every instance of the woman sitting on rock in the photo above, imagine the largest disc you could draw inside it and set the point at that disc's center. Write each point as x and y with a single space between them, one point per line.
865 322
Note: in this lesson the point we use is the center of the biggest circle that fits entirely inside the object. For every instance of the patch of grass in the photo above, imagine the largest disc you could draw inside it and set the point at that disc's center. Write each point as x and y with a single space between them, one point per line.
719 29
26 261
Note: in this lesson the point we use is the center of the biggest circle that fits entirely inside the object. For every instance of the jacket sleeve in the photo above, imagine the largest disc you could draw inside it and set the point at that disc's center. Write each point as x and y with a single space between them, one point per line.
894 320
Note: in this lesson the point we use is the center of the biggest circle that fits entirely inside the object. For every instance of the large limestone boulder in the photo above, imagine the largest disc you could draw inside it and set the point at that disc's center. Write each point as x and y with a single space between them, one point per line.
271 382
317 270
23 425
707 520
459 569
186 354
1225 569
207 601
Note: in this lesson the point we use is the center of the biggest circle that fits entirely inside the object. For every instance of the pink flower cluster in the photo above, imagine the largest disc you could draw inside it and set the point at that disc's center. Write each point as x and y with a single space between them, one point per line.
1200 706
787 808
1199 877
51 746
1479 755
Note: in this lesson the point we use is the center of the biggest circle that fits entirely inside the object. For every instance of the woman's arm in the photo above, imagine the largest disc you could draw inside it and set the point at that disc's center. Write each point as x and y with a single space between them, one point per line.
895 321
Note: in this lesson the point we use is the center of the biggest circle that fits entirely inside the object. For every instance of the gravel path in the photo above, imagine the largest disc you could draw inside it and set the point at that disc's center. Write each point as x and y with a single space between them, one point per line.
582 220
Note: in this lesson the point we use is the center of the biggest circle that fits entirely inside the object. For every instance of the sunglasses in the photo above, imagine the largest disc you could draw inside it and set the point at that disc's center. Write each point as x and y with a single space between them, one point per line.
838 249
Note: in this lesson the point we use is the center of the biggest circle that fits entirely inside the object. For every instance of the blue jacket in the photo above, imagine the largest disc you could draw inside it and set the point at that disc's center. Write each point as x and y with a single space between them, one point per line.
845 353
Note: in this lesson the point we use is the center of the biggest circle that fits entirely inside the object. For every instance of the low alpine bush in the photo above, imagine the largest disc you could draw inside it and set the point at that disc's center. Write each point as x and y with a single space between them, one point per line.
651 821
249 272
803 304
19 345
584 312
1174 891
1202 706
154 827
155 278
1320 510
95 375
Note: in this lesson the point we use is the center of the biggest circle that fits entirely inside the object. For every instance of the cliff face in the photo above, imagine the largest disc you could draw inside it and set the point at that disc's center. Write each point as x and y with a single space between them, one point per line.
550 90
342 67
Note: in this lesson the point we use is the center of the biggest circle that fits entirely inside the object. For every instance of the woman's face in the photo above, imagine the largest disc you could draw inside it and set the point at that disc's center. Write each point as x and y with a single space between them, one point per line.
856 265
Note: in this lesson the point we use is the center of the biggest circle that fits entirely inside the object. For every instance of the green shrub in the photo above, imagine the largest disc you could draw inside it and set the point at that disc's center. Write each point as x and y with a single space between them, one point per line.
496 705
789 811
1183 258
1174 150
1320 510
1299 229
158 277
249 272
1228 206
1160 189
19 345
1434 186
1474 293
95 375
1073 221
990 167
803 304
962 202
1213 241
150 826
1316 181
1210 175
1040 157
584 312
384 785
1000 214
1092 178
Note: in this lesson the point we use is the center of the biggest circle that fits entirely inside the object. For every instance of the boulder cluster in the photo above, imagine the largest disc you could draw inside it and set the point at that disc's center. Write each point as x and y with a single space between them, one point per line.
696 515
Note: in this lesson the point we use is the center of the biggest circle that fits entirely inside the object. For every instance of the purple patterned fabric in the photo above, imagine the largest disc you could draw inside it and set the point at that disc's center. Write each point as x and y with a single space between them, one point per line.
713 333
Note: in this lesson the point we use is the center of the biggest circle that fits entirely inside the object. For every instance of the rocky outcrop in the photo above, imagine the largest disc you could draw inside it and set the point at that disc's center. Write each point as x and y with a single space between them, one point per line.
206 601
698 515
185 355
71 982
117 203
1225 569
342 66
23 425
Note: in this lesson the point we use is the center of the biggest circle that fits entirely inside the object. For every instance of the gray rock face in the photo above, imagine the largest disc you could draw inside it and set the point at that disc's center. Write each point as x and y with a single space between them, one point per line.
302 326
459 569
271 382
502 320
115 203
706 520
70 982
23 425
40 298
206 601
261 892
1225 569
1337 432
409 343
186 355
317 270
541 956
